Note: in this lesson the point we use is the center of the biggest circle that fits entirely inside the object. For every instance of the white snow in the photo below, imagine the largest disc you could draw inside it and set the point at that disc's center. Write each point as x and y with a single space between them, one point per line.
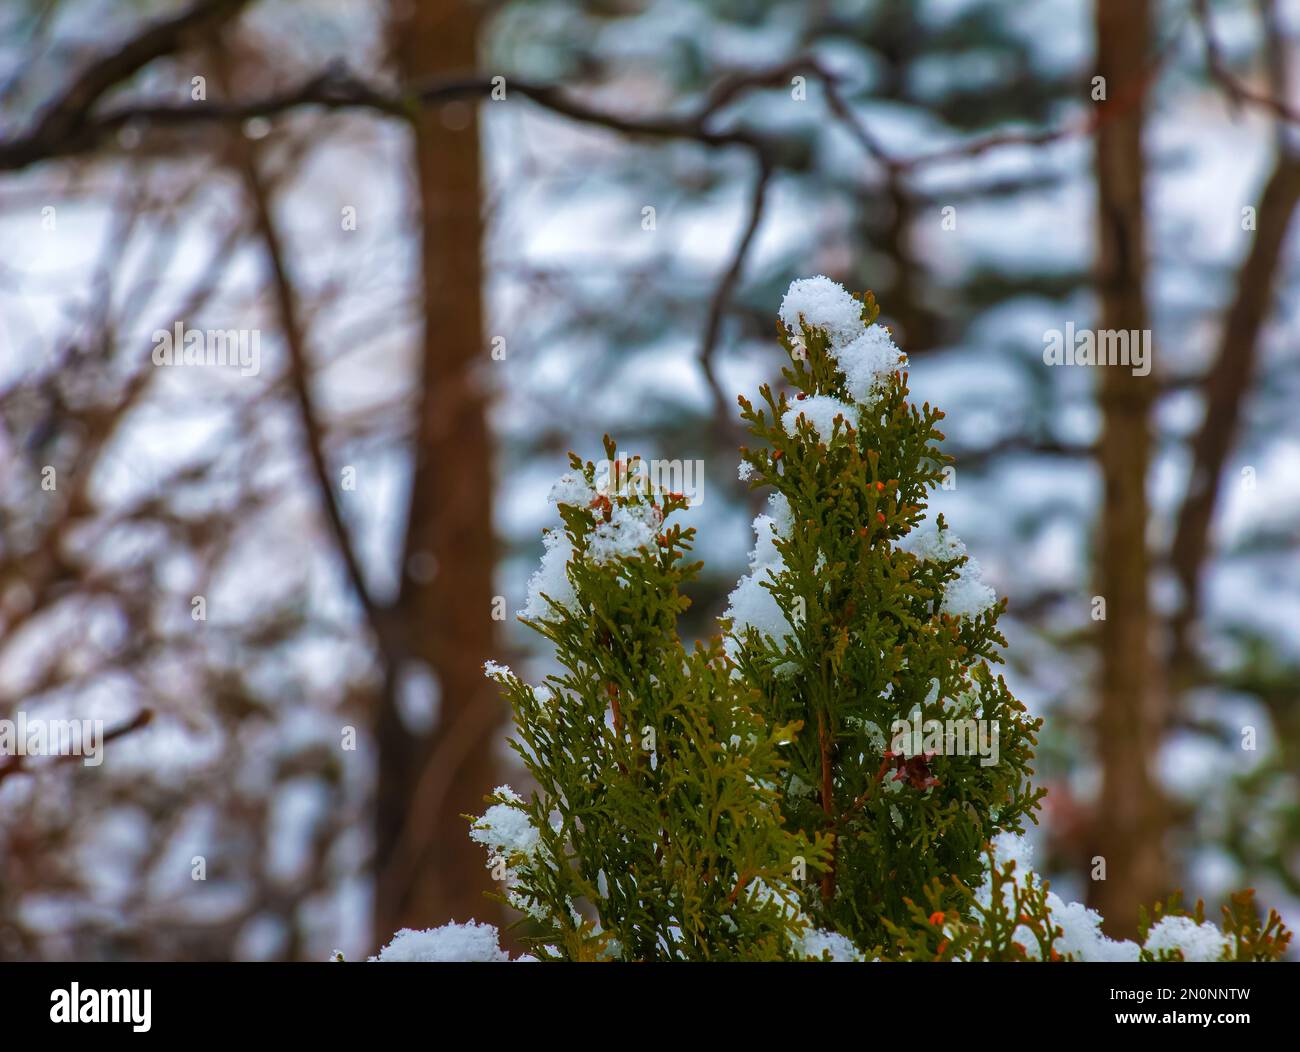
631 529
495 670
820 411
571 489
551 578
1008 848
811 941
782 516
765 552
817 942
452 942
1081 935
504 829
865 354
966 595
1198 942
868 362
822 304
751 605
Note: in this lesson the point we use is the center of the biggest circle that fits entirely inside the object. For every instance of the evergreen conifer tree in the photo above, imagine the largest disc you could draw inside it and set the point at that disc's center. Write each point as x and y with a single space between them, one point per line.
870 626
839 774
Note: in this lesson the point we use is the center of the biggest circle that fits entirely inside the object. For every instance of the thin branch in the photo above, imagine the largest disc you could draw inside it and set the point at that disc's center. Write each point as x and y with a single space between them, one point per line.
727 285
69 113
338 89
1226 387
309 419
1238 93
14 764
1227 383
826 746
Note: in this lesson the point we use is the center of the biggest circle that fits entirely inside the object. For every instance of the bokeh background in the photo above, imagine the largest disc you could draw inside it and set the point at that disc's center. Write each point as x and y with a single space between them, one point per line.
473 236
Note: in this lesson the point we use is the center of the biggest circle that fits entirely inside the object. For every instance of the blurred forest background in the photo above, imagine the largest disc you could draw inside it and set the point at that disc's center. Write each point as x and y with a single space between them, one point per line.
472 236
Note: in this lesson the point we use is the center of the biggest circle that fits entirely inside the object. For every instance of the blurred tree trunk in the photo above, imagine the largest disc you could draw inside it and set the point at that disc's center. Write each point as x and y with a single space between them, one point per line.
427 870
1129 823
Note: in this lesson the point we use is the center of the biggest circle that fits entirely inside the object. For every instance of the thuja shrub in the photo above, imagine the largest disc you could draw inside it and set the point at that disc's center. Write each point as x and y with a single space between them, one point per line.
839 774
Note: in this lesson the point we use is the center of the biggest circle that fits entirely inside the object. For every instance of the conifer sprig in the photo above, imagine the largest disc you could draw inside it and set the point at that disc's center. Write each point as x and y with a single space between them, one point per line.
870 642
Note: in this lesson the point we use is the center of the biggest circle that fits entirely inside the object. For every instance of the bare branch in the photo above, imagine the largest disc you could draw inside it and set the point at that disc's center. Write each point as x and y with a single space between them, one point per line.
727 285
300 374
1238 93
1225 389
69 113
14 764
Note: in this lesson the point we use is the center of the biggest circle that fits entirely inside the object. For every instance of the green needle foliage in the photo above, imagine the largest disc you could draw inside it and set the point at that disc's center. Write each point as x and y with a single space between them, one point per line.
839 774
872 645
658 779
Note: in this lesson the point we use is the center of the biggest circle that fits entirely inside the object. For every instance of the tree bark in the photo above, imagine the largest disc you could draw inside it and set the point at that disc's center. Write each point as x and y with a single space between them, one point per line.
1130 821
1225 390
427 871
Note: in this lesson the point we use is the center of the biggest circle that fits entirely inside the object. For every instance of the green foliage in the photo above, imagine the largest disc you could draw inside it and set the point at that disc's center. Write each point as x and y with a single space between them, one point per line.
872 647
1014 916
1248 938
657 802
1011 921
805 783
